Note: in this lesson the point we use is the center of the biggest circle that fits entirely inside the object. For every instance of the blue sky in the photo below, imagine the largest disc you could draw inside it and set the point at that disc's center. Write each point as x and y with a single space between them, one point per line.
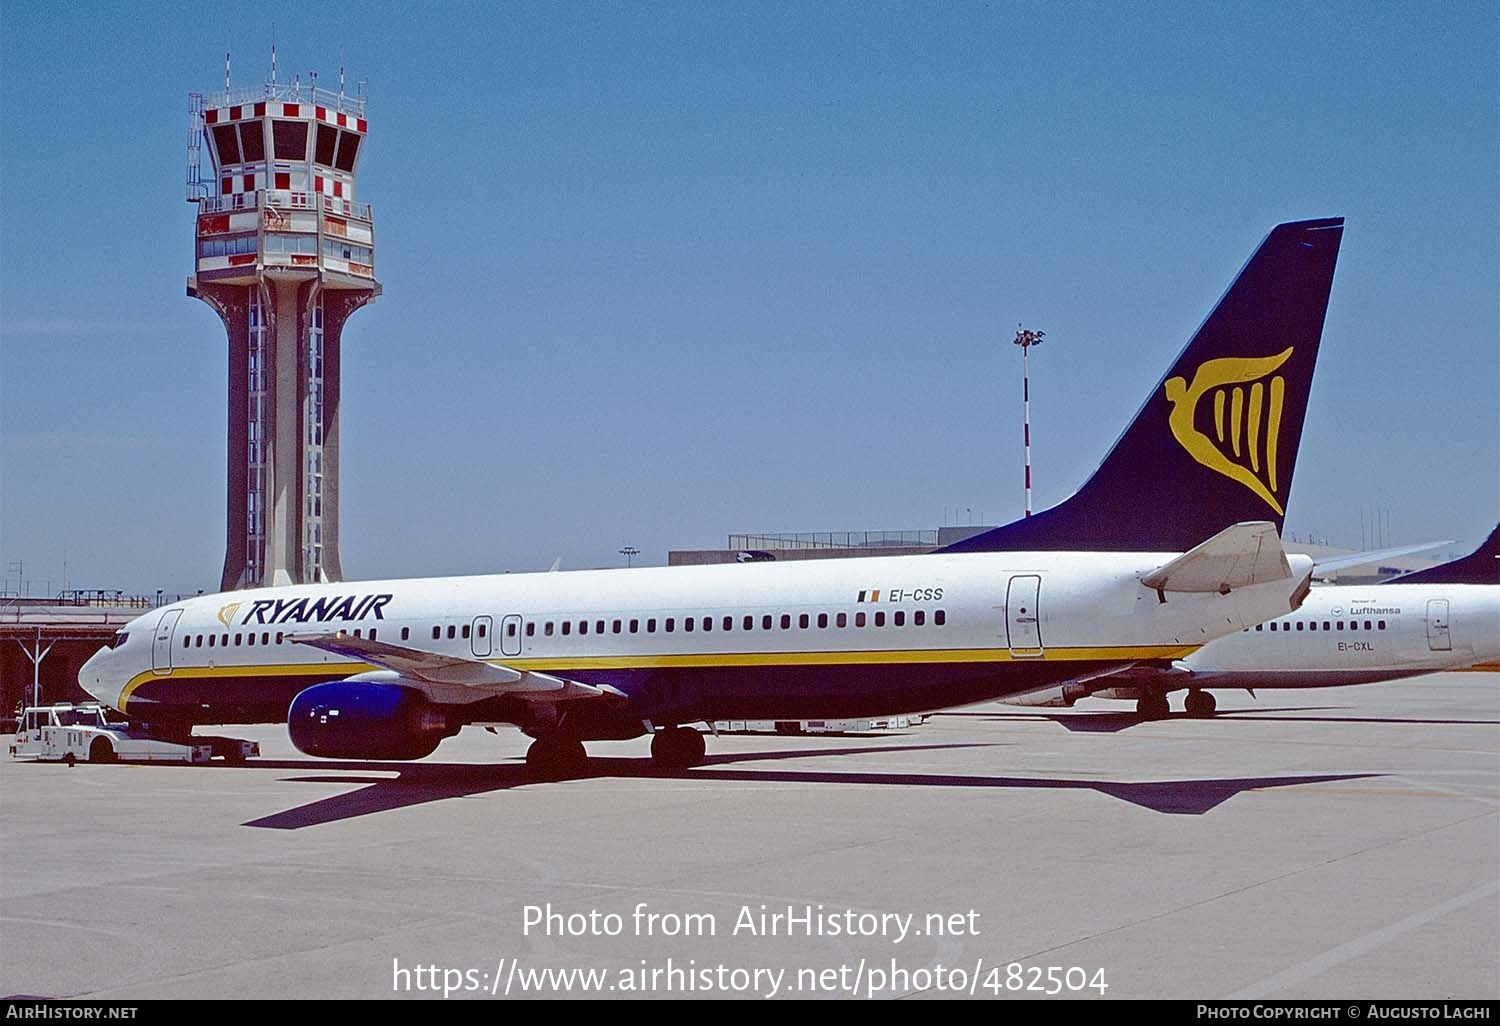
659 272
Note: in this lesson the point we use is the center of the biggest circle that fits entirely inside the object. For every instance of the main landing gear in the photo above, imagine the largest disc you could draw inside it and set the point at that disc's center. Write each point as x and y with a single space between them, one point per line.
560 756
1152 706
1200 704
676 748
556 757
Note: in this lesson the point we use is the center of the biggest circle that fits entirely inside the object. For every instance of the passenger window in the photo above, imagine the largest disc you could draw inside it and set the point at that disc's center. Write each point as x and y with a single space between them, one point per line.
687 624
919 617
567 627
843 620
940 618
187 639
749 623
900 619
670 624
406 634
279 637
211 640
372 633
356 632
880 619
1340 624
802 621
708 623
437 633
728 623
466 632
510 630
786 621
616 627
822 620
1380 624
484 629
635 626
583 626
224 641
1327 626
1312 625
1367 625
1260 626
1273 625
452 632
547 630
531 628
765 622
1354 625
1299 625
598 626
238 639
859 619
650 625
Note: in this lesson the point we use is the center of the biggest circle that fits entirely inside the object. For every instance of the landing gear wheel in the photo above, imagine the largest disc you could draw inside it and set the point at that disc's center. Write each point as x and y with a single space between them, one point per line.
101 751
677 748
1152 707
1200 704
556 758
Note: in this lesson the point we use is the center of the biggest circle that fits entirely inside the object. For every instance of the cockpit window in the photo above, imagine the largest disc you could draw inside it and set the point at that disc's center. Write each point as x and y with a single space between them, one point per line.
118 639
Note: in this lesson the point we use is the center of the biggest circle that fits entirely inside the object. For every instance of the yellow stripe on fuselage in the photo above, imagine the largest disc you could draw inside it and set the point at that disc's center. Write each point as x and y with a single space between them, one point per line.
710 659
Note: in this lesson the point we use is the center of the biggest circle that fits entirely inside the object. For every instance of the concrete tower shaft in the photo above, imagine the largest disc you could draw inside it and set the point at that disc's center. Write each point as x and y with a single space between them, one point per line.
284 255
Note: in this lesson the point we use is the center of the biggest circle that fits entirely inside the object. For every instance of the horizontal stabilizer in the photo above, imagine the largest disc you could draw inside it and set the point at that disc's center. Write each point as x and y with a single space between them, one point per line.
435 668
1236 557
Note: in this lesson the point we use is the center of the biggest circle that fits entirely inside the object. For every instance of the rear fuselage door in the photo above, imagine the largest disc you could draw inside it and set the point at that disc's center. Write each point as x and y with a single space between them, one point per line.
479 636
1023 624
510 635
161 642
1437 626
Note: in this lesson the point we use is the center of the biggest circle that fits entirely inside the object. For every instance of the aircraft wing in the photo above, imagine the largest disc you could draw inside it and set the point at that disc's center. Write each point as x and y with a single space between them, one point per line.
1238 556
438 671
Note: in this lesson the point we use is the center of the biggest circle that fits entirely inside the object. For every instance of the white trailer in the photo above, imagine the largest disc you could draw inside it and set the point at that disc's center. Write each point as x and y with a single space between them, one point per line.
84 733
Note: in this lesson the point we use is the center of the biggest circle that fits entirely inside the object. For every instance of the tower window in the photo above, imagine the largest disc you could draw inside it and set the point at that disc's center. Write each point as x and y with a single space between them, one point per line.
227 143
252 141
328 138
290 139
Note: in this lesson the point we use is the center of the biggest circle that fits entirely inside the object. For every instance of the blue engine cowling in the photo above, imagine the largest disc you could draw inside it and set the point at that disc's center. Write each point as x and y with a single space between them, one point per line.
353 720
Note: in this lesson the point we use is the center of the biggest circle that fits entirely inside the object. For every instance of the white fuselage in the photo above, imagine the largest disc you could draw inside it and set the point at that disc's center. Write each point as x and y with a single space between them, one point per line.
1347 634
822 638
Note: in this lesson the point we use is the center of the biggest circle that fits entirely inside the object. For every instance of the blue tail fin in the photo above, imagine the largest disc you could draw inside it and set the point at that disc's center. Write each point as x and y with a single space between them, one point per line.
1482 566
1216 442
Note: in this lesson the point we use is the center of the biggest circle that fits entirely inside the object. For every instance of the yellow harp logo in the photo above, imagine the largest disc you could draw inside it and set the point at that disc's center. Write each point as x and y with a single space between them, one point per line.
1240 448
226 613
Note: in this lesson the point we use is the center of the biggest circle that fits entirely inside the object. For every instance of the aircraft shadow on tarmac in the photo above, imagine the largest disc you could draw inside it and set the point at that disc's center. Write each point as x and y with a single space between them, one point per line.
420 783
1114 722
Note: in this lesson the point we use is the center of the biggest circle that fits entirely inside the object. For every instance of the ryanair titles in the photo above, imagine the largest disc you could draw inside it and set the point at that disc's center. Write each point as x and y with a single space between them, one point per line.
318 610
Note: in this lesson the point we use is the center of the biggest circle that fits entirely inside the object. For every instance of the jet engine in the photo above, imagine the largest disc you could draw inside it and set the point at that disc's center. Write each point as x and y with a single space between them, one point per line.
353 720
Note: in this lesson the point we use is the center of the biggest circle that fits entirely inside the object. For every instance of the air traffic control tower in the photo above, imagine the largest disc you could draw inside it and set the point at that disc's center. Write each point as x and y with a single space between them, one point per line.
285 254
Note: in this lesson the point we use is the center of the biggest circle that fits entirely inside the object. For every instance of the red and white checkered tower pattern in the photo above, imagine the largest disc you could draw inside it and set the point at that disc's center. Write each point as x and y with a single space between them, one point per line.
285 253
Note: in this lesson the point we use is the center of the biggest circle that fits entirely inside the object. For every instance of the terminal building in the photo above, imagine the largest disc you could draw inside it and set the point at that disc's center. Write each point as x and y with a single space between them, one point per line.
285 253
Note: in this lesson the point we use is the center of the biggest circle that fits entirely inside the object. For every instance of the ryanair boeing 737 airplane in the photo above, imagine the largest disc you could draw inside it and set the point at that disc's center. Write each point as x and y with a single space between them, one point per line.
1172 543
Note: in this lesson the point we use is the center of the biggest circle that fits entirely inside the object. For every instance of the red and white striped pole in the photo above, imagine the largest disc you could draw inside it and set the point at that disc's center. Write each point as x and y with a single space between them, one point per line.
1026 339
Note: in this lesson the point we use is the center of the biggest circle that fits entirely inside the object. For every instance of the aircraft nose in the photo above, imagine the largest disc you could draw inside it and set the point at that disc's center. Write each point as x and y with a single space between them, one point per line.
96 676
